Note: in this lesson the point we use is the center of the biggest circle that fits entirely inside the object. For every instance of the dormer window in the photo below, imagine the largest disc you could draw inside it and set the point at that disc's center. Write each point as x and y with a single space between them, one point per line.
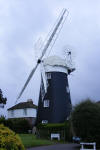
46 103
48 75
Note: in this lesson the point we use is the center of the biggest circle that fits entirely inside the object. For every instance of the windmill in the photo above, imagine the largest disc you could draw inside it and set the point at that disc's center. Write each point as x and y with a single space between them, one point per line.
54 104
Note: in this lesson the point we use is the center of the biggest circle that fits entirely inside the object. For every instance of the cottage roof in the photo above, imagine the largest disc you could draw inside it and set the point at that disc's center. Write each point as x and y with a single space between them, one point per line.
23 105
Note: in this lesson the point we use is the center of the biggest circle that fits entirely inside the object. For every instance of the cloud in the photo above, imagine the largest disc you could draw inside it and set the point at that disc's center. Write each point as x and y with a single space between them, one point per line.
22 21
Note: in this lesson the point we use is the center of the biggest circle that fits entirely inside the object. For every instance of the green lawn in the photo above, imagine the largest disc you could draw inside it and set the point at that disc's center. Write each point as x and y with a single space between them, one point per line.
29 140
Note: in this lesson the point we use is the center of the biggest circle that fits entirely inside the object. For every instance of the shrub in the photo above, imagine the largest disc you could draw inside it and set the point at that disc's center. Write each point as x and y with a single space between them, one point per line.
9 140
19 125
2 120
16 124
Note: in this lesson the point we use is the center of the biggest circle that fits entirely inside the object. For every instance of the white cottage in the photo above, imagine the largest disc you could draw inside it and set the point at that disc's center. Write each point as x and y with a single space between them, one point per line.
26 110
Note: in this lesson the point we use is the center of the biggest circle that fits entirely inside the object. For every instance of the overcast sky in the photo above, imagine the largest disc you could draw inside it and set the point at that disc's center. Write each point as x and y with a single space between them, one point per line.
22 22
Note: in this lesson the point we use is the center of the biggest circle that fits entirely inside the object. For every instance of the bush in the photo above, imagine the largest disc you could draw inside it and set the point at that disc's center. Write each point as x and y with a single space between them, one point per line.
19 125
2 120
64 129
16 124
9 140
86 121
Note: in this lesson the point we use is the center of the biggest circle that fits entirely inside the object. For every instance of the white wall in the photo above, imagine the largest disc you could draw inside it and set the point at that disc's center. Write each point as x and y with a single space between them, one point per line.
20 113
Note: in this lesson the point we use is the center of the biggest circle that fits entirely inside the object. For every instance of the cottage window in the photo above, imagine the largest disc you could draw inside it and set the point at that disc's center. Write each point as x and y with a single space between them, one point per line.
48 75
25 111
46 103
12 113
44 121
67 89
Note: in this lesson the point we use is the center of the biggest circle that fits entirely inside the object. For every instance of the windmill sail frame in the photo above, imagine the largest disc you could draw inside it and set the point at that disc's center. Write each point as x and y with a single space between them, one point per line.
43 52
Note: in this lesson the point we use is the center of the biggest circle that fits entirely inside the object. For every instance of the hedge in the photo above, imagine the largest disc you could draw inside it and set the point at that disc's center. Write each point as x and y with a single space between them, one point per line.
64 129
16 124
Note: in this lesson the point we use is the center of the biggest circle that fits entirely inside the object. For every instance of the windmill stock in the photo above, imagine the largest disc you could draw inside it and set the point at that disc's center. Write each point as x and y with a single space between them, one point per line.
54 105
43 52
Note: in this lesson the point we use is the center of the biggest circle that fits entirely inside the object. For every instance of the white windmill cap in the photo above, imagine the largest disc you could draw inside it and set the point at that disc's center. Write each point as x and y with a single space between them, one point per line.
55 64
54 61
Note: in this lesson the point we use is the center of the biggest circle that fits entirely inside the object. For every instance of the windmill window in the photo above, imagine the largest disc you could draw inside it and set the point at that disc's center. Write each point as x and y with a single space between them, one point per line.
67 89
44 121
48 75
46 103
25 111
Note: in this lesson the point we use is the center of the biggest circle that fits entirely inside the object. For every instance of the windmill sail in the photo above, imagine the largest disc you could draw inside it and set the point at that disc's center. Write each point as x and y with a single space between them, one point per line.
52 35
29 78
43 51
44 77
42 87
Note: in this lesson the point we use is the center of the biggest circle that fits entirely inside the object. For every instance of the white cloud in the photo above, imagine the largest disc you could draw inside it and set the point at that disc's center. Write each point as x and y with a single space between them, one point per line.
22 21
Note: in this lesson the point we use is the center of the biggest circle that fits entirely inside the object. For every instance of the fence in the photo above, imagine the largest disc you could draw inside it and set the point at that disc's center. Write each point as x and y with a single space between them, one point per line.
93 144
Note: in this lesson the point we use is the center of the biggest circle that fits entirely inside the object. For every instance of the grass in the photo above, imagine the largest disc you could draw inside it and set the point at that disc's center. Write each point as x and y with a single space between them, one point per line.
30 140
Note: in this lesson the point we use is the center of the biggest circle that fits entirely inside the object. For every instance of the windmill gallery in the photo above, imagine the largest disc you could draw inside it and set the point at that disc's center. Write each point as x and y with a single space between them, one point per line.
54 105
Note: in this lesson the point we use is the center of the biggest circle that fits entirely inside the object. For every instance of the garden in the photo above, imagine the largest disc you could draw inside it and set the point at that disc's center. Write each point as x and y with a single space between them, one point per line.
84 123
30 140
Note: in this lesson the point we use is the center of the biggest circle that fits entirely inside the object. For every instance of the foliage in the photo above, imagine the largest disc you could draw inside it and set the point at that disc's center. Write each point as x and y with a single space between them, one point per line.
19 125
16 124
2 119
86 121
51 125
30 140
64 129
2 99
9 140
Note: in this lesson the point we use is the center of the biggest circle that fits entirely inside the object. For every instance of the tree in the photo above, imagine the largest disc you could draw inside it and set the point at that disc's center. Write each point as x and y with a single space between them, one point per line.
86 121
2 99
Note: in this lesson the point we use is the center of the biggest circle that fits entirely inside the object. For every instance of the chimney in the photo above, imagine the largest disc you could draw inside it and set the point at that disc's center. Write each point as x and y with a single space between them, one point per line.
30 100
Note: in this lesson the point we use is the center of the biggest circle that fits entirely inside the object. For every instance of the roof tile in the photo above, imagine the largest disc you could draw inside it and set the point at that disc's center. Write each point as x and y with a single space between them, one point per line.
24 105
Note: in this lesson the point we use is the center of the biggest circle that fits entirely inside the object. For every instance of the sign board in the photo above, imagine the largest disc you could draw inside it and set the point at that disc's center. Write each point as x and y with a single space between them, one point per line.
55 135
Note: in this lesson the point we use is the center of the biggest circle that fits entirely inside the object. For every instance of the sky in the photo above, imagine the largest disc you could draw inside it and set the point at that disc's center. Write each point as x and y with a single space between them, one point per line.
23 22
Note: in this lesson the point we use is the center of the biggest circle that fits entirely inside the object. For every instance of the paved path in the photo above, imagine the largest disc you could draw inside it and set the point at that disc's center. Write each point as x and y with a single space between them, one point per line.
57 147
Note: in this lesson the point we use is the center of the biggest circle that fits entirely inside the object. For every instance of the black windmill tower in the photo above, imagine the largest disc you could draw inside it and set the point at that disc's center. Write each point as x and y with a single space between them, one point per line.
54 105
